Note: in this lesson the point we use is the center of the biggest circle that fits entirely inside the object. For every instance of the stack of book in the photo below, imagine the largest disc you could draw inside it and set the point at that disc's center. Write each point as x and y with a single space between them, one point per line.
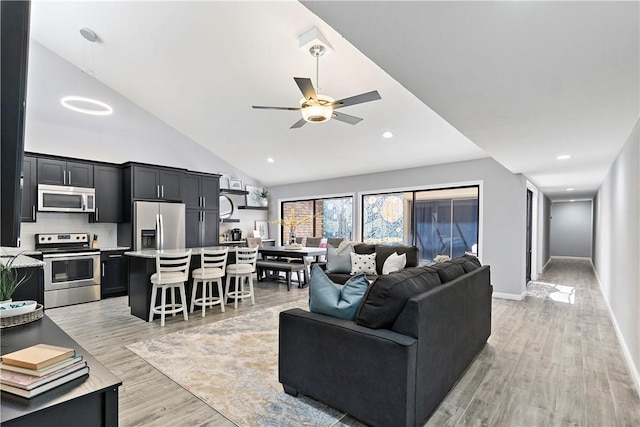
36 369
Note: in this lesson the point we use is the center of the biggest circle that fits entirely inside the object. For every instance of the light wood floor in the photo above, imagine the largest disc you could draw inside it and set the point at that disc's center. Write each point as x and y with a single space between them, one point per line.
546 362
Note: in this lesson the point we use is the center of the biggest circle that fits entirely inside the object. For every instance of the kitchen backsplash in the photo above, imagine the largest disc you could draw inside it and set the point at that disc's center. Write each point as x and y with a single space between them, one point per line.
55 222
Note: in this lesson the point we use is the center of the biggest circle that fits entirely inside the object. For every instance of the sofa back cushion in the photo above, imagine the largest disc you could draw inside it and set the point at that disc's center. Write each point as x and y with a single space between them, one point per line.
364 248
383 252
448 270
386 296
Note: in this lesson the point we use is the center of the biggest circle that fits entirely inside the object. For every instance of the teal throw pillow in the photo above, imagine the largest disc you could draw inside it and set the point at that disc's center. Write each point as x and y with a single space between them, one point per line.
339 261
332 299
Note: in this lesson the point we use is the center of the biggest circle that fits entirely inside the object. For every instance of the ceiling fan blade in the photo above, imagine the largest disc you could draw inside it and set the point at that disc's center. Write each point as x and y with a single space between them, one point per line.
306 87
262 107
298 124
352 120
358 99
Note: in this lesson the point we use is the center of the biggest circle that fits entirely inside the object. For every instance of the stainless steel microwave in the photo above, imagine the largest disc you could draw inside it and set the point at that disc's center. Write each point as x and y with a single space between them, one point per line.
59 198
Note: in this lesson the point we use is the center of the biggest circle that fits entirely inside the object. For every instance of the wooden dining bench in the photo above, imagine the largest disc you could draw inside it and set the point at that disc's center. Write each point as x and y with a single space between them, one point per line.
286 267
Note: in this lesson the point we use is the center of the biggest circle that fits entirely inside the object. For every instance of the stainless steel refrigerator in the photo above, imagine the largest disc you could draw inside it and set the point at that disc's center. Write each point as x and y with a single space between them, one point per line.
158 225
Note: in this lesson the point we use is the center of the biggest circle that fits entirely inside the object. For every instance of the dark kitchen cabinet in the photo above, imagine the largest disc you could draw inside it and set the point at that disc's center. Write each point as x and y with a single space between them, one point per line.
60 172
193 232
32 289
108 185
29 189
201 228
200 191
200 195
210 227
114 273
156 184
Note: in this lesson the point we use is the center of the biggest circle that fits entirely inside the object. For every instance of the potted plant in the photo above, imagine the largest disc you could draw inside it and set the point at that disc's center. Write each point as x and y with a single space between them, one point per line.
9 281
264 197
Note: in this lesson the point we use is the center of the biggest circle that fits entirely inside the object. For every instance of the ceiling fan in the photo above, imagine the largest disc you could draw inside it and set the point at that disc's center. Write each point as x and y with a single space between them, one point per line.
316 108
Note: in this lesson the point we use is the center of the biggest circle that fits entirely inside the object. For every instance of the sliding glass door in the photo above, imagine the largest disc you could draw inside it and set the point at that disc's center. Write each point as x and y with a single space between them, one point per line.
438 222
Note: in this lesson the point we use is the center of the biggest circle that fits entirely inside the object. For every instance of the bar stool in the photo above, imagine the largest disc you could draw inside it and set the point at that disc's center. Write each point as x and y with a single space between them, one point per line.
172 270
213 265
243 268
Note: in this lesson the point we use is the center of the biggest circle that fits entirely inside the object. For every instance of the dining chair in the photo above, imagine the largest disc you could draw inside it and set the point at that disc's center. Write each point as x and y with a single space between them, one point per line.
172 271
212 269
313 242
253 242
241 270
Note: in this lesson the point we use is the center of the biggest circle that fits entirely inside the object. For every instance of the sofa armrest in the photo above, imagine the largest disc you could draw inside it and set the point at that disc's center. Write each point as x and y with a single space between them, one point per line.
350 367
452 323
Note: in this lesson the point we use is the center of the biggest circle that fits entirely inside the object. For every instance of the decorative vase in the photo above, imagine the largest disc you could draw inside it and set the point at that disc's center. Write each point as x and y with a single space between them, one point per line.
292 237
264 202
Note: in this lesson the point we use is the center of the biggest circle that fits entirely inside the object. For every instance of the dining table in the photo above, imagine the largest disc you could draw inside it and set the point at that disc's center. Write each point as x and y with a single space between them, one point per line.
303 253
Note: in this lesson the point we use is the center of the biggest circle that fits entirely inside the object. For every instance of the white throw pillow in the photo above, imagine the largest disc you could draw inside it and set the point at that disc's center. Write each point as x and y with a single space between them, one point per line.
394 262
363 263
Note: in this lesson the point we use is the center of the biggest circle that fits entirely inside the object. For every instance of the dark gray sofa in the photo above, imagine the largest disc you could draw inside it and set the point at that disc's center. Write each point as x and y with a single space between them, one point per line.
382 253
398 374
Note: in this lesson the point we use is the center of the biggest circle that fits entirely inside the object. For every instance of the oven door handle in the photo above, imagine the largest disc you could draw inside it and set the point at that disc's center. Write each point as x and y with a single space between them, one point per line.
71 255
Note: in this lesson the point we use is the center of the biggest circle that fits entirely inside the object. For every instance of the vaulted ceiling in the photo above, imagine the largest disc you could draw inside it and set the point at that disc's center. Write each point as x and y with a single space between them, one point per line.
522 82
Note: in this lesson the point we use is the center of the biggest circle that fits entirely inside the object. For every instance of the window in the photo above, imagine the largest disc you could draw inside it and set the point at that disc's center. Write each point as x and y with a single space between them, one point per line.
438 222
332 217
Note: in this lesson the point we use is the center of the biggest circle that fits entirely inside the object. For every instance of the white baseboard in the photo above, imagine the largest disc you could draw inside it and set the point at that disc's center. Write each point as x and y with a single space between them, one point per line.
502 295
625 349
568 257
546 263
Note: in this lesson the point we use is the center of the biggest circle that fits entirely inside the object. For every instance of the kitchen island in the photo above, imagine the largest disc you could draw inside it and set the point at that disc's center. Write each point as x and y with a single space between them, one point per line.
142 264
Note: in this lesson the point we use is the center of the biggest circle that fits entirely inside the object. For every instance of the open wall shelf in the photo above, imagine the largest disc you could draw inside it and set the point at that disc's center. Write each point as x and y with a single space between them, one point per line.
230 220
237 192
257 208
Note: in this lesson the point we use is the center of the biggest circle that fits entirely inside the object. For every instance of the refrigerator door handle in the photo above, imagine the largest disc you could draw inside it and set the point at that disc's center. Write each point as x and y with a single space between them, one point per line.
161 232
158 231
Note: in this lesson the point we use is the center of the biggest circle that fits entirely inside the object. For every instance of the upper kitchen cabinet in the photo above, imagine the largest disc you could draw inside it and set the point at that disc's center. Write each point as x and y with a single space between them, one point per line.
200 191
155 183
61 172
29 189
108 185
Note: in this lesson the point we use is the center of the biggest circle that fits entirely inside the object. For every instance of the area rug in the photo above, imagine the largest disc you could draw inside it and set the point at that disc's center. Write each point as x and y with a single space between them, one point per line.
232 366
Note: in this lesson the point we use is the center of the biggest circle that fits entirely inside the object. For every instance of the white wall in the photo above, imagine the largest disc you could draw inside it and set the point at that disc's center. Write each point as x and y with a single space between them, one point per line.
617 246
545 231
503 205
571 229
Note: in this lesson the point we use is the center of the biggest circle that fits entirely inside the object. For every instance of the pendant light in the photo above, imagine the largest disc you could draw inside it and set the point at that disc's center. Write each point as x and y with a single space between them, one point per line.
84 104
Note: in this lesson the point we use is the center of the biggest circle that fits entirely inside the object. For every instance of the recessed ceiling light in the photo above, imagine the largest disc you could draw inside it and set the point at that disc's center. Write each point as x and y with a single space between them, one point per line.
387 134
570 189
563 157
270 159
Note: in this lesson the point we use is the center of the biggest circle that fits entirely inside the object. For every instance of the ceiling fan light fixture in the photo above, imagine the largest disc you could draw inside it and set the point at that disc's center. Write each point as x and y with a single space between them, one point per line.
317 112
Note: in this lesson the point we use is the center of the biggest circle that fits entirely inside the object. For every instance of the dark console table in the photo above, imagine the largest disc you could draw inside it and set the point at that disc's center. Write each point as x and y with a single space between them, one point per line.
88 401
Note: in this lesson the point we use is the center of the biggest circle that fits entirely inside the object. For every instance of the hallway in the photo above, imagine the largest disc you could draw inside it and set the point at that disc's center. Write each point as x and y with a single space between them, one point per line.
552 359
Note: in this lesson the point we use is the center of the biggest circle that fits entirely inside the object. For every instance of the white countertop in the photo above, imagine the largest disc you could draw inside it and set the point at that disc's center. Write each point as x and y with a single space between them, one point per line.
5 250
151 253
20 261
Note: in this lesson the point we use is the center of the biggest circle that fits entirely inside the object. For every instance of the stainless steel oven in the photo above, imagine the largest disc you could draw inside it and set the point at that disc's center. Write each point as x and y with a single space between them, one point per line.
71 271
